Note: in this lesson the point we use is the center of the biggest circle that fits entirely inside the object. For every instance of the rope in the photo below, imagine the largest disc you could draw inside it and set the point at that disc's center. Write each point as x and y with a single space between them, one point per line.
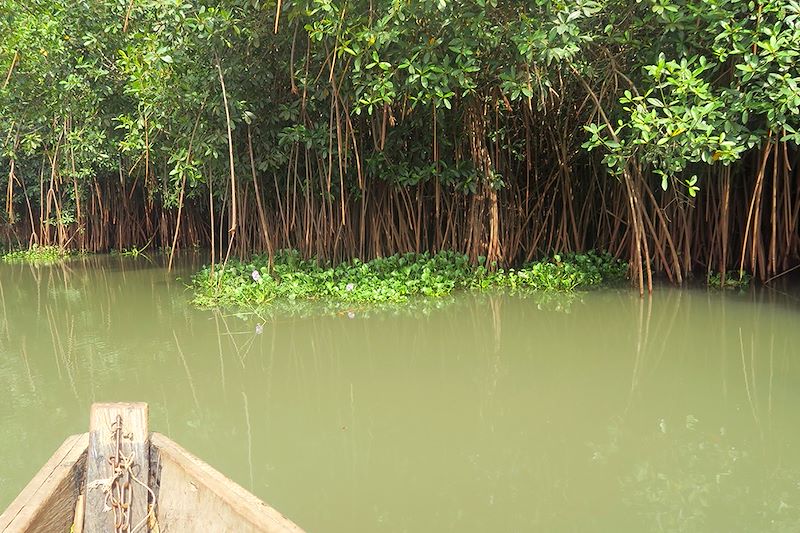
118 491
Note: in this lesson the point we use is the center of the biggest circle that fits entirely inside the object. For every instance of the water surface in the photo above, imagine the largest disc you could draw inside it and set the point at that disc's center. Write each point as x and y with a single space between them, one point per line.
598 412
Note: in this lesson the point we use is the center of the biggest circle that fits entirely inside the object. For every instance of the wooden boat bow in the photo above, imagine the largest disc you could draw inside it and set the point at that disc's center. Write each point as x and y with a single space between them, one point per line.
175 492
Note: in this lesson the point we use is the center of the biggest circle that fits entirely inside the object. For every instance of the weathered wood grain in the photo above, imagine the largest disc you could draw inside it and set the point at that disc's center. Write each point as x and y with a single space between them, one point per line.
192 496
98 518
47 503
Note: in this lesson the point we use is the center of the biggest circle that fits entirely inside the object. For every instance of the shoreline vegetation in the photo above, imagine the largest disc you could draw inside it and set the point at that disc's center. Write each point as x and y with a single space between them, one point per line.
731 280
660 132
38 255
391 280
53 255
396 279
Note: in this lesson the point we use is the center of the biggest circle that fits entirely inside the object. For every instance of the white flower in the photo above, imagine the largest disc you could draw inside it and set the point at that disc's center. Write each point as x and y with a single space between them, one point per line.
349 287
256 275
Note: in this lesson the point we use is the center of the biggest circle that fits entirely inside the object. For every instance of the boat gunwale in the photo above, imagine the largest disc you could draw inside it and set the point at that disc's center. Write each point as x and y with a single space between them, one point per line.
65 471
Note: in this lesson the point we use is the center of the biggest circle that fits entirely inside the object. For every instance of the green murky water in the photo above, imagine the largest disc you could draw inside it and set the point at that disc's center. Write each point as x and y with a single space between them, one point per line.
604 412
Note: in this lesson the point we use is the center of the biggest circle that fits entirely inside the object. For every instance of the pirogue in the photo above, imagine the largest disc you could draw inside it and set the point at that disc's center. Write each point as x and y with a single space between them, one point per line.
121 478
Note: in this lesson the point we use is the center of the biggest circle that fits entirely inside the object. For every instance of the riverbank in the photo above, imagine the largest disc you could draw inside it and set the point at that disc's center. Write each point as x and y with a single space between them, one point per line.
394 279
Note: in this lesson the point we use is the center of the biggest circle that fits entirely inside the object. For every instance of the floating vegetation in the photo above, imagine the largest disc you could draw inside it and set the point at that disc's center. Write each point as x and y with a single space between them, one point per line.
131 252
38 255
392 280
731 280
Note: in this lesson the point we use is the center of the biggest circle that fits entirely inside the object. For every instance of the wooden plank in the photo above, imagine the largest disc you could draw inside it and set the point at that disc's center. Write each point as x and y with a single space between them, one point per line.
98 518
192 496
47 503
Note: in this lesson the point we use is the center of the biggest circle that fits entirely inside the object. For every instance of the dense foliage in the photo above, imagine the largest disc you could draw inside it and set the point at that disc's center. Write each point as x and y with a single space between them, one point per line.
665 131
392 279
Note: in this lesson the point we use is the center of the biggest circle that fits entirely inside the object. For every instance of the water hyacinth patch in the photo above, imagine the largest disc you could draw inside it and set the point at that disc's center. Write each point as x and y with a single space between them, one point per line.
731 280
38 255
394 279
